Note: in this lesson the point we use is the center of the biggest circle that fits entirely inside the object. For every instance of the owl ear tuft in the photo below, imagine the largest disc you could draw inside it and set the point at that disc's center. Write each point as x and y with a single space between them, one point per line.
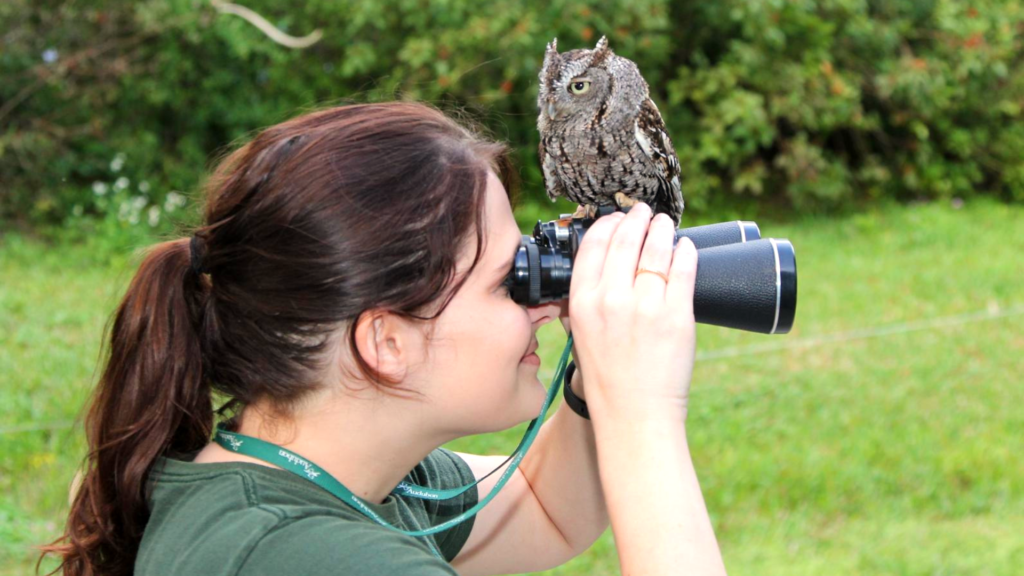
549 70
600 53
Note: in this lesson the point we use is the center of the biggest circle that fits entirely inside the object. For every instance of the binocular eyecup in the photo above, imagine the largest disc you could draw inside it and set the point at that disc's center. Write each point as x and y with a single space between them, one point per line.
743 281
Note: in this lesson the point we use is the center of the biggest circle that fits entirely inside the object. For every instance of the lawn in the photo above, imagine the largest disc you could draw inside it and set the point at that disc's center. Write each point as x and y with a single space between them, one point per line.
882 436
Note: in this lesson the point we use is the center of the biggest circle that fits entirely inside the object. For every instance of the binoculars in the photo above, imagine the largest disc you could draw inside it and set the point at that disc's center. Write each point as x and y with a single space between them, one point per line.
743 281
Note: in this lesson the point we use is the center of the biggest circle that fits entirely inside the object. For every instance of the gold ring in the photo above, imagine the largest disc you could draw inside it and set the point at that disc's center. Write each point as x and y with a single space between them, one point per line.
642 270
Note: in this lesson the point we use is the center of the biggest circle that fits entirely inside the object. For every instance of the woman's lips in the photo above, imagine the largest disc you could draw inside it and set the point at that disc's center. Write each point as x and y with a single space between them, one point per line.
531 357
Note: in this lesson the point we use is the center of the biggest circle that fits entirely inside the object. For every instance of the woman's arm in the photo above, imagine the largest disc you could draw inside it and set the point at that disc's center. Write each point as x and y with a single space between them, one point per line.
562 469
635 342
658 516
650 488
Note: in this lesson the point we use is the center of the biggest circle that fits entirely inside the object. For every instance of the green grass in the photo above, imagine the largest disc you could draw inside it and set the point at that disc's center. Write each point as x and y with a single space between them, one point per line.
891 454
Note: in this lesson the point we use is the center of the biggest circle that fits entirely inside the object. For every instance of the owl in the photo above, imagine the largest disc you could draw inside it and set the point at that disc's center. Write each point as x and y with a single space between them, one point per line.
602 139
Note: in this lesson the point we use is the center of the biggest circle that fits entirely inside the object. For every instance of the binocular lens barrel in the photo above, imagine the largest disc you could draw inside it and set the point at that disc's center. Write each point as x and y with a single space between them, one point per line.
711 235
749 286
743 281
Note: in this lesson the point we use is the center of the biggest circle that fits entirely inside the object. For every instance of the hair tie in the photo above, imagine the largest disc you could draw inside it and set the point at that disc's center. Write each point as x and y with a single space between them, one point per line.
196 254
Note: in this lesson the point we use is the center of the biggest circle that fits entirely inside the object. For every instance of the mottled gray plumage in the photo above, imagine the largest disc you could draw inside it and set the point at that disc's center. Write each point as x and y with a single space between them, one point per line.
601 134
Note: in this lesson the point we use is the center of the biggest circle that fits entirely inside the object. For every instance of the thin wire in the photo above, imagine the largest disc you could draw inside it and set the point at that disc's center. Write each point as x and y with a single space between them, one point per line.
736 351
860 334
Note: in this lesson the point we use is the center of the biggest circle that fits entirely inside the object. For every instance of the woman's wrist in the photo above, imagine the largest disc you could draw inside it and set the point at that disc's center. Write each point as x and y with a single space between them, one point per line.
577 385
573 400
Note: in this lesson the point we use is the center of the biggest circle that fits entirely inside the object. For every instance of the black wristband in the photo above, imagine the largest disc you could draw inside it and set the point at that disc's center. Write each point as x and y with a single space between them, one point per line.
578 406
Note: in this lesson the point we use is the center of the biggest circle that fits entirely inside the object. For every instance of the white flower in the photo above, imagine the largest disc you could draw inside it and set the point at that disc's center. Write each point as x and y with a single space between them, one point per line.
173 201
138 203
154 215
99 188
121 183
50 55
118 162
143 186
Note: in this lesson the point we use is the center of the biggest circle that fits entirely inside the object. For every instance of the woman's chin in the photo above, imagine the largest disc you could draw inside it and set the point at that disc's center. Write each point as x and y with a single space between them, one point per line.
524 407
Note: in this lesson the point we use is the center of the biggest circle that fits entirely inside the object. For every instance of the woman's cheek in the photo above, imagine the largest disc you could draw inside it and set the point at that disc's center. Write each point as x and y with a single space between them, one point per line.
524 329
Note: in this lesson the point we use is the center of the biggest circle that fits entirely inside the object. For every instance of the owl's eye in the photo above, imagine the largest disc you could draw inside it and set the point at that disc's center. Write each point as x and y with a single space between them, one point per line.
579 87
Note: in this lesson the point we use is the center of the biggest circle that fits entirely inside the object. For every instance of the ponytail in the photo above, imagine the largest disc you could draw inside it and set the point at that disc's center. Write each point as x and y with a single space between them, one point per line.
152 399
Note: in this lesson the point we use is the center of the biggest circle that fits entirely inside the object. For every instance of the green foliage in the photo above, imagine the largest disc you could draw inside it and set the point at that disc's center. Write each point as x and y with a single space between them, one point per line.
829 101
807 104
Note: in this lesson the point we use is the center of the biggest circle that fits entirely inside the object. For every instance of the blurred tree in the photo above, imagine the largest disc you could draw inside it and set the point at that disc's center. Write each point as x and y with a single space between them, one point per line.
814 104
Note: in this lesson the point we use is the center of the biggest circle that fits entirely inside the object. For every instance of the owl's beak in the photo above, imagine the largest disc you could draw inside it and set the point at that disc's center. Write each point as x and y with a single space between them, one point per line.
552 111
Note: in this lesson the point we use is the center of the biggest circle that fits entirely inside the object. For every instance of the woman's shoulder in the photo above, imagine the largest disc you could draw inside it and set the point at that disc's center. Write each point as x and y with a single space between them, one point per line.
205 518
232 518
260 542
324 545
238 487
175 483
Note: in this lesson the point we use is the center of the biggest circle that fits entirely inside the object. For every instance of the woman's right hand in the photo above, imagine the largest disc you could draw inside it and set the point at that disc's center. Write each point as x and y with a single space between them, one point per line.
634 336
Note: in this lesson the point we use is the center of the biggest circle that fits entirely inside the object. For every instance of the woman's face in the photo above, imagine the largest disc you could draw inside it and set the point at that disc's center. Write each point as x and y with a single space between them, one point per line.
478 363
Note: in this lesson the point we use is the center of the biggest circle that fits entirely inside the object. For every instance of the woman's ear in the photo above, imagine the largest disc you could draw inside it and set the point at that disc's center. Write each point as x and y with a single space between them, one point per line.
385 342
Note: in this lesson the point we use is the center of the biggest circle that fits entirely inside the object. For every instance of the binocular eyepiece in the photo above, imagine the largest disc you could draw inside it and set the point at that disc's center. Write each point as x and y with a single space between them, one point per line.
743 281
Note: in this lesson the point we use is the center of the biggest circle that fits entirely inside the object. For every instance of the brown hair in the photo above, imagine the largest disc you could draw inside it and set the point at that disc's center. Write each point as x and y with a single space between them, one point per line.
314 222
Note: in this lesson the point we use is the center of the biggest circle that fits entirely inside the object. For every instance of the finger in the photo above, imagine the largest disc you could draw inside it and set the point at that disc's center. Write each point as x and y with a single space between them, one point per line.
681 277
656 255
624 251
588 264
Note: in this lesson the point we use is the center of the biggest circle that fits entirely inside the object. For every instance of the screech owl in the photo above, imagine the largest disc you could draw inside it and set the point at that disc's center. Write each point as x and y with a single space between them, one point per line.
602 139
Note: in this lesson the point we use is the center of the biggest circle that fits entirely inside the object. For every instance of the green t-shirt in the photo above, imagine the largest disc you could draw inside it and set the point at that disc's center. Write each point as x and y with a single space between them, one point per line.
238 518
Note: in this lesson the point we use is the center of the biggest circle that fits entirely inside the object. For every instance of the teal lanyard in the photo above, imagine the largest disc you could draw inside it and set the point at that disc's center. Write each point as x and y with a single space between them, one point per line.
302 467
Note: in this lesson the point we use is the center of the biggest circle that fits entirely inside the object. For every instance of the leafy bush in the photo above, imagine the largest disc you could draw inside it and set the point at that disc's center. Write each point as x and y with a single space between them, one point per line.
843 99
799 103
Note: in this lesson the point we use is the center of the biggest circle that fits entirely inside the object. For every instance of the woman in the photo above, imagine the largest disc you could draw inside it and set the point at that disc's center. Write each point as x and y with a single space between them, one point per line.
344 301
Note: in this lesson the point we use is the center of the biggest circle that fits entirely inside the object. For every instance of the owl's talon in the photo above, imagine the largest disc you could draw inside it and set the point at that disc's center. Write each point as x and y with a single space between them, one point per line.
624 201
581 212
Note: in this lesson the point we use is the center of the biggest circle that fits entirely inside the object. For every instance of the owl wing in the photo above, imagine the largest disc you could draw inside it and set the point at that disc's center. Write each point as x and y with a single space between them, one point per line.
654 141
552 182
